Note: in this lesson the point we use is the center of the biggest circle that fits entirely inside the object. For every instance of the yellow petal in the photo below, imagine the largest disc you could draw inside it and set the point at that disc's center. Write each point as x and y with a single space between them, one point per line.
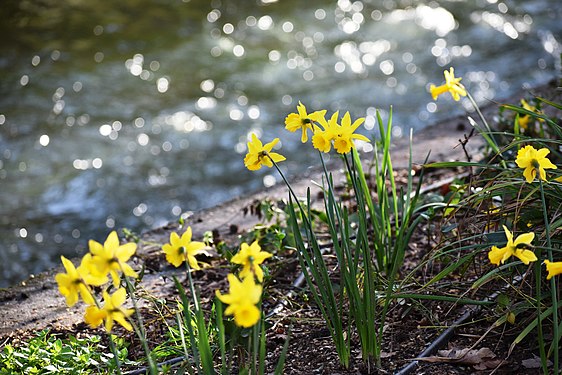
526 256
126 251
529 173
96 248
553 268
186 237
525 238
495 255
121 320
276 157
112 241
246 315
269 146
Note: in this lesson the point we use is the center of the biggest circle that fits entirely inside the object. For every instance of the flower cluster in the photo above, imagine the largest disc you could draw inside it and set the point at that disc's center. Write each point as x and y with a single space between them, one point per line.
243 296
534 162
102 260
521 248
325 135
340 135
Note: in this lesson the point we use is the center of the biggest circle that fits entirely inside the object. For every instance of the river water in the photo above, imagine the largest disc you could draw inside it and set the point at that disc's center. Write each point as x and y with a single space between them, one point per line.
132 113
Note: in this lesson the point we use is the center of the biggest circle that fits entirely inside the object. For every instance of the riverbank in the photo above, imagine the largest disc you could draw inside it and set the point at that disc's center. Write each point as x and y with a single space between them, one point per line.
36 303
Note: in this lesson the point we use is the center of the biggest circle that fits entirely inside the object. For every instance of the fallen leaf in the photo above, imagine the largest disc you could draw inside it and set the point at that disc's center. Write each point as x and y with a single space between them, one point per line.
480 359
387 354
534 362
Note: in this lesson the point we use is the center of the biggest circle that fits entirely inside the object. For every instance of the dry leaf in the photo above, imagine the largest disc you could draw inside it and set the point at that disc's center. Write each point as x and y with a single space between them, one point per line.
534 362
387 354
480 359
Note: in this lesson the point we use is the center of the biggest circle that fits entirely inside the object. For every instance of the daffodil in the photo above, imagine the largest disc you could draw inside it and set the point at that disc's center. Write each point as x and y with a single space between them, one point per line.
325 133
524 119
553 268
72 283
242 299
452 85
303 121
532 160
259 154
516 248
250 257
343 140
183 249
111 257
111 311
90 272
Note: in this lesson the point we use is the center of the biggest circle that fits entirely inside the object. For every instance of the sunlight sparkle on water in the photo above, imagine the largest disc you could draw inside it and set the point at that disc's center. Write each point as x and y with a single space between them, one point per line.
438 19
207 85
44 140
236 114
238 50
162 84
206 103
254 112
265 22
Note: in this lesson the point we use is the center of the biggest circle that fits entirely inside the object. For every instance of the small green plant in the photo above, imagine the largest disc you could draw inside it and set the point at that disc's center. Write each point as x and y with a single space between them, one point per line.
198 338
51 353
369 243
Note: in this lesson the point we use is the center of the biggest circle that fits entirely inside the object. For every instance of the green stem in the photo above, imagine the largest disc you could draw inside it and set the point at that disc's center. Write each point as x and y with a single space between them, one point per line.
255 347
191 286
553 288
487 134
141 331
287 183
109 337
115 352
538 283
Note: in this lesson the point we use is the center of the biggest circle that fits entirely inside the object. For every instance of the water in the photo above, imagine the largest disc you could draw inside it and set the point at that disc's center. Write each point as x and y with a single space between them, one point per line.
130 113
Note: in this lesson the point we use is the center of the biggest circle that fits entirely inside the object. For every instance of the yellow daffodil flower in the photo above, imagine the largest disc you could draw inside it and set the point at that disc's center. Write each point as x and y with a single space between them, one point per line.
72 283
532 159
516 248
323 136
111 258
553 268
302 120
183 249
111 311
343 141
90 272
250 257
452 85
259 154
524 119
242 299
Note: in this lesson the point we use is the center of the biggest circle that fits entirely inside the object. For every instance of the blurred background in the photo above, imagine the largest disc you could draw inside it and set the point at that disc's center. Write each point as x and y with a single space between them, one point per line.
131 113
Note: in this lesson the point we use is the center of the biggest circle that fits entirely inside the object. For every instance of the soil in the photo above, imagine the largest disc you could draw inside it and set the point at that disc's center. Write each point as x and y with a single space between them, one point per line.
412 325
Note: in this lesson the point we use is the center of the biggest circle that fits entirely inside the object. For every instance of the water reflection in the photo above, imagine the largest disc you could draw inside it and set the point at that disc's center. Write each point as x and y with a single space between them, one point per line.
130 115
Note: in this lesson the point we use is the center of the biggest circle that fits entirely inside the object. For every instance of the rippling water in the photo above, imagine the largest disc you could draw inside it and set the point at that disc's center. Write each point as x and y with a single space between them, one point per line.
130 113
